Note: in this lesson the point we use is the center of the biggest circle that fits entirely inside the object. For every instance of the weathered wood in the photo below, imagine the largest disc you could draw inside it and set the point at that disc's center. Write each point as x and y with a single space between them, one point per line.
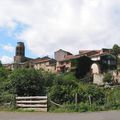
31 97
56 104
35 109
37 103
31 102
31 106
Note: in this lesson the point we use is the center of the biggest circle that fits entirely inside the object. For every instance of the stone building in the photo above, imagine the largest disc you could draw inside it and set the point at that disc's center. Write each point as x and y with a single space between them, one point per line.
95 62
45 63
20 53
21 61
61 54
68 62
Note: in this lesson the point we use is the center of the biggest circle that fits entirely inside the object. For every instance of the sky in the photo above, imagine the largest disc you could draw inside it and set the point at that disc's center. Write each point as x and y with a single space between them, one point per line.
46 26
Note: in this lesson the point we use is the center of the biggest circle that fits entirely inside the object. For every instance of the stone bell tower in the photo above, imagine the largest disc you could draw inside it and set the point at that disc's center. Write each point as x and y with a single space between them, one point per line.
20 53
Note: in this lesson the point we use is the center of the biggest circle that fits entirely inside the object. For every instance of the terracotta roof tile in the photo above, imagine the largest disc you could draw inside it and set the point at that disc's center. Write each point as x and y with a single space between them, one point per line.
70 57
40 60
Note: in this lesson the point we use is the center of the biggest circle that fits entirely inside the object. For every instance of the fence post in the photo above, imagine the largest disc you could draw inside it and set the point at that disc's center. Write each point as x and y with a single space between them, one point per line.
76 101
90 100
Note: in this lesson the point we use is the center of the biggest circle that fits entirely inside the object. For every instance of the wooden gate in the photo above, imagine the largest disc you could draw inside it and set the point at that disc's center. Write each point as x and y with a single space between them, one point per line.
37 103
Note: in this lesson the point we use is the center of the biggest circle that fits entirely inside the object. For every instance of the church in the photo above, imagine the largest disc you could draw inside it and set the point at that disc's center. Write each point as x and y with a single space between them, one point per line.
21 61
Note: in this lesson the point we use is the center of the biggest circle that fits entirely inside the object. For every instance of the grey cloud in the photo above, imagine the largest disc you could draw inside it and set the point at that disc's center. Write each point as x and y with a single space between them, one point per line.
67 24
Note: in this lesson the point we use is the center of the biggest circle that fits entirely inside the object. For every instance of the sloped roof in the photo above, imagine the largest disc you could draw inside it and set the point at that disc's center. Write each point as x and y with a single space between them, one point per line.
89 52
64 51
70 57
42 60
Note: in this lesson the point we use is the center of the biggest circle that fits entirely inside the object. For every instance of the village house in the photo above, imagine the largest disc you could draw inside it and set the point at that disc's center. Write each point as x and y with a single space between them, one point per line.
103 58
45 63
94 62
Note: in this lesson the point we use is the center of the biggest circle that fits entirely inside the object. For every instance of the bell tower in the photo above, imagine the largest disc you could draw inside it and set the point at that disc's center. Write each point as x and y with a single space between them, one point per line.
20 53
20 49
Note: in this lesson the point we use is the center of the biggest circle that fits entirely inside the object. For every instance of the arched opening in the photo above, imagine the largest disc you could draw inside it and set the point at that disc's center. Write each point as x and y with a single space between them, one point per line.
95 68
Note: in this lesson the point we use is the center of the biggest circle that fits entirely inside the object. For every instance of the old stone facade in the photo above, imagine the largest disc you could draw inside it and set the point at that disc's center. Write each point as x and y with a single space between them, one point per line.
61 54
20 53
45 63
95 62
21 61
102 60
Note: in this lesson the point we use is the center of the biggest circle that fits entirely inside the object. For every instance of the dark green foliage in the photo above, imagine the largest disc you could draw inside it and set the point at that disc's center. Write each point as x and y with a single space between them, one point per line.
48 79
70 76
96 94
83 67
5 95
27 82
112 98
103 99
108 78
3 73
63 90
116 50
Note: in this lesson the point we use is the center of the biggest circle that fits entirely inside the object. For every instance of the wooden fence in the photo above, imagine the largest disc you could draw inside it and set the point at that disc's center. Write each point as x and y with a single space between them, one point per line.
37 103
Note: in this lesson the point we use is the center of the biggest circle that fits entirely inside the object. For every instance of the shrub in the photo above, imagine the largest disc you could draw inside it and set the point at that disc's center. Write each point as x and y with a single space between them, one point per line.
107 78
27 82
62 90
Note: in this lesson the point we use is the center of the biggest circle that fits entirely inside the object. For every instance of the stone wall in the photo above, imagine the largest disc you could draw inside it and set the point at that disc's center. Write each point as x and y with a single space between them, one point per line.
98 79
116 76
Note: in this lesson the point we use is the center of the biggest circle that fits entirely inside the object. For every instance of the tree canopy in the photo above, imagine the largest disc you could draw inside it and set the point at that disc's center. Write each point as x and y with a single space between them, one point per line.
116 52
116 49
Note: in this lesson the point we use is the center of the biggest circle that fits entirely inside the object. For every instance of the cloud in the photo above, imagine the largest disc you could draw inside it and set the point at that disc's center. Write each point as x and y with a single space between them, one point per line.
6 59
66 24
8 47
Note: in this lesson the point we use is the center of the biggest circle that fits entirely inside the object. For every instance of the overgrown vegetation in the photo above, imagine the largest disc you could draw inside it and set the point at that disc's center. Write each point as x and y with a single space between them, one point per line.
67 92
108 78
27 82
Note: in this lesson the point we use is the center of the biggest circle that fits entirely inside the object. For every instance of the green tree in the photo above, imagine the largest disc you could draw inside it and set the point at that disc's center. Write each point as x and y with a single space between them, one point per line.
3 72
116 52
5 95
27 82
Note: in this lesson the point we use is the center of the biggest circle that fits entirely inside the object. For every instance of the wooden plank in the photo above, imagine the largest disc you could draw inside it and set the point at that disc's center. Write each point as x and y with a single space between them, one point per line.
31 102
35 109
31 97
31 106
